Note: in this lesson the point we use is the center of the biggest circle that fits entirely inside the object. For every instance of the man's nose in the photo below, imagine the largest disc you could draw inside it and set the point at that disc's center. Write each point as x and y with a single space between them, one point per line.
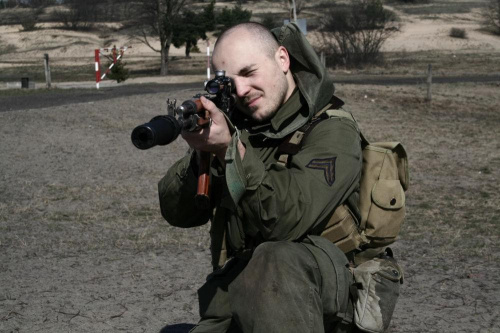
242 88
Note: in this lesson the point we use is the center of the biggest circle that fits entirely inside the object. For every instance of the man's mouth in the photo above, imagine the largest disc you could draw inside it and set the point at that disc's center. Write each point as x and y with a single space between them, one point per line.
253 101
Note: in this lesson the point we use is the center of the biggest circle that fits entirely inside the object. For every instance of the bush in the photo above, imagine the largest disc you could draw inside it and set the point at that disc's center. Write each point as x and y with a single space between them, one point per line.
353 34
118 72
79 15
230 17
7 48
492 16
270 21
28 21
11 4
458 33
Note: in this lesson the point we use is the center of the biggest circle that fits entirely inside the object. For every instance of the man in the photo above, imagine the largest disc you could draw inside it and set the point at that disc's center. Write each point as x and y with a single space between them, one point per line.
272 273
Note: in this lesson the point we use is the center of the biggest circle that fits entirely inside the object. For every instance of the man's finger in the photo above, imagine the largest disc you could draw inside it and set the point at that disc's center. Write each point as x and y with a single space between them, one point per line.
208 104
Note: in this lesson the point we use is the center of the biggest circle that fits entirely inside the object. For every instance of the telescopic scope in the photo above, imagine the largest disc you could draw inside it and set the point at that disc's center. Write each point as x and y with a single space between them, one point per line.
161 130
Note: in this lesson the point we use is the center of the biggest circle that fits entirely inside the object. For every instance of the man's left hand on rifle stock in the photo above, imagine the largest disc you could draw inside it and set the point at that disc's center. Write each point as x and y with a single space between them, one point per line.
214 138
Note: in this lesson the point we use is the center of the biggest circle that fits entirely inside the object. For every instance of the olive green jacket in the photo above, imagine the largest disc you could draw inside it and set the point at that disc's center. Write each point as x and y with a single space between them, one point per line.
255 199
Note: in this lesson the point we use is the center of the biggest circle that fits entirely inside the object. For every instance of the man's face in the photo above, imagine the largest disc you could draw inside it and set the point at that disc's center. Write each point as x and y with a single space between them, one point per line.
261 84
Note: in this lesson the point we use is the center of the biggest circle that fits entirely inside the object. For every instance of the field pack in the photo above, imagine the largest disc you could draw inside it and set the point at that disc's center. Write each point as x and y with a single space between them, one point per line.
364 235
384 179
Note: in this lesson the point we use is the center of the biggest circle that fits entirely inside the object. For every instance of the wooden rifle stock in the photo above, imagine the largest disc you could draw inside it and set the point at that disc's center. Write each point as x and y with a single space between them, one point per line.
202 198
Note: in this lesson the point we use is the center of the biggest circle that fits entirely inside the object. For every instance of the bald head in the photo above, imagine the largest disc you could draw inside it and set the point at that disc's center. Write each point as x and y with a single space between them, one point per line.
259 67
255 31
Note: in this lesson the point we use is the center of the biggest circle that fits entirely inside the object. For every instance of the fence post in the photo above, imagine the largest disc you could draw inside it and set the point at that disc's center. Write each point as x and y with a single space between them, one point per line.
429 83
48 80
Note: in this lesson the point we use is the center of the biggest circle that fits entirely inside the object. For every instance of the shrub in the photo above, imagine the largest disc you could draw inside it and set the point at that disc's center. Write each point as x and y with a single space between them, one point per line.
458 33
492 16
7 48
270 21
118 72
79 15
28 21
353 34
230 17
10 4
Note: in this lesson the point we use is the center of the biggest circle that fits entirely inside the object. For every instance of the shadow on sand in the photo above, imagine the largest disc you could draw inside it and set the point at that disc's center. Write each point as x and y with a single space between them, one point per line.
177 328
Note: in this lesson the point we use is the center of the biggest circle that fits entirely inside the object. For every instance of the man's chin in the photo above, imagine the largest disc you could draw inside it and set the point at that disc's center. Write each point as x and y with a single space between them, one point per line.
262 116
256 114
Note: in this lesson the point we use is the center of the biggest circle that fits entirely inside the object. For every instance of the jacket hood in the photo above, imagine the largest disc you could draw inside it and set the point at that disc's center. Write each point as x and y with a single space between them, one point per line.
311 77
312 80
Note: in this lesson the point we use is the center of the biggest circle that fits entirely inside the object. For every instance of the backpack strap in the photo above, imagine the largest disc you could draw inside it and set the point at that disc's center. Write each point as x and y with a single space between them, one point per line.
293 142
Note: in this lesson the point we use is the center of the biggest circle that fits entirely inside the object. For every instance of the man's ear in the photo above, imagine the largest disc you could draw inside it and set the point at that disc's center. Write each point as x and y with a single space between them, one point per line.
283 59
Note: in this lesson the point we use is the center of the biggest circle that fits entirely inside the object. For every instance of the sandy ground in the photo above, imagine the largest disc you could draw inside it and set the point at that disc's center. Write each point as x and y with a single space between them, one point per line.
83 247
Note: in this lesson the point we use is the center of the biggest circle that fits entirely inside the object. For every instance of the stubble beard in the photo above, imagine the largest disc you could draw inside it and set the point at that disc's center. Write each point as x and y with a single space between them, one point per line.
274 103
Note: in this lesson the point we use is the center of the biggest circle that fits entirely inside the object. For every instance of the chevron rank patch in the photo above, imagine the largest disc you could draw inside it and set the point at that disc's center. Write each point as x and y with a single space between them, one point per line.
328 167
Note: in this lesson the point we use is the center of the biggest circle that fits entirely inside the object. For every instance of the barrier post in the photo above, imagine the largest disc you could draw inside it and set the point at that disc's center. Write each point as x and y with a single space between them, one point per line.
97 69
114 54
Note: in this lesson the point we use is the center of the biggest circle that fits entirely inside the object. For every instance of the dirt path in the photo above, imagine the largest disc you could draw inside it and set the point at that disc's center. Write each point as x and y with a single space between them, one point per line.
42 99
39 99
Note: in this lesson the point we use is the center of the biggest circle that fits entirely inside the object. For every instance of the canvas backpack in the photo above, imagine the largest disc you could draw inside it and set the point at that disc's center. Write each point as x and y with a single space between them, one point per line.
384 180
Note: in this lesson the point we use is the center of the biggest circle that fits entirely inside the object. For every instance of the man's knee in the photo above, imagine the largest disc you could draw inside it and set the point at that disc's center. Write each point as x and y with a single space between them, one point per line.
282 255
279 286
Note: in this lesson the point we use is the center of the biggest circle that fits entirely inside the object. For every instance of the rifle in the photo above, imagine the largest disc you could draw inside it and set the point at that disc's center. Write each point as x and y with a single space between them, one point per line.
189 116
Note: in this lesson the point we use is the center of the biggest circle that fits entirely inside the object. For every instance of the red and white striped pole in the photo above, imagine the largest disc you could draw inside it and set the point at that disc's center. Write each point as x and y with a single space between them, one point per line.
208 59
97 68
98 76
114 54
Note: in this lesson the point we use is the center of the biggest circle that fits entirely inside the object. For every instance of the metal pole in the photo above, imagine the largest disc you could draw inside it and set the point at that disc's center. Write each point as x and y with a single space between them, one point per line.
294 12
47 69
429 83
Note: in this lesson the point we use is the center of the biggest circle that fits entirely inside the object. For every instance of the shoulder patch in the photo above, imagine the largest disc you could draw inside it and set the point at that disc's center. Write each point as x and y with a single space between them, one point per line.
328 167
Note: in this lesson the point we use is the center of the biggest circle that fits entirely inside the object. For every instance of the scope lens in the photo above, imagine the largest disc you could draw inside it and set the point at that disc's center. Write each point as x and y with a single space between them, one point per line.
213 87
143 137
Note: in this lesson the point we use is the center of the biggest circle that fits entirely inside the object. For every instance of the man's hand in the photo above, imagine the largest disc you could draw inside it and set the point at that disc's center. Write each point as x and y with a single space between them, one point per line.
215 138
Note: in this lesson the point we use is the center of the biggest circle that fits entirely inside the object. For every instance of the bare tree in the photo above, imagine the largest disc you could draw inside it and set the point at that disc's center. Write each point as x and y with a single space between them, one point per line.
155 19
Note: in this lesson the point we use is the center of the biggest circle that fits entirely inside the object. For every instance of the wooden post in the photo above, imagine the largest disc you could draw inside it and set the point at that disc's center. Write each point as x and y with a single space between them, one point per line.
47 70
429 83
